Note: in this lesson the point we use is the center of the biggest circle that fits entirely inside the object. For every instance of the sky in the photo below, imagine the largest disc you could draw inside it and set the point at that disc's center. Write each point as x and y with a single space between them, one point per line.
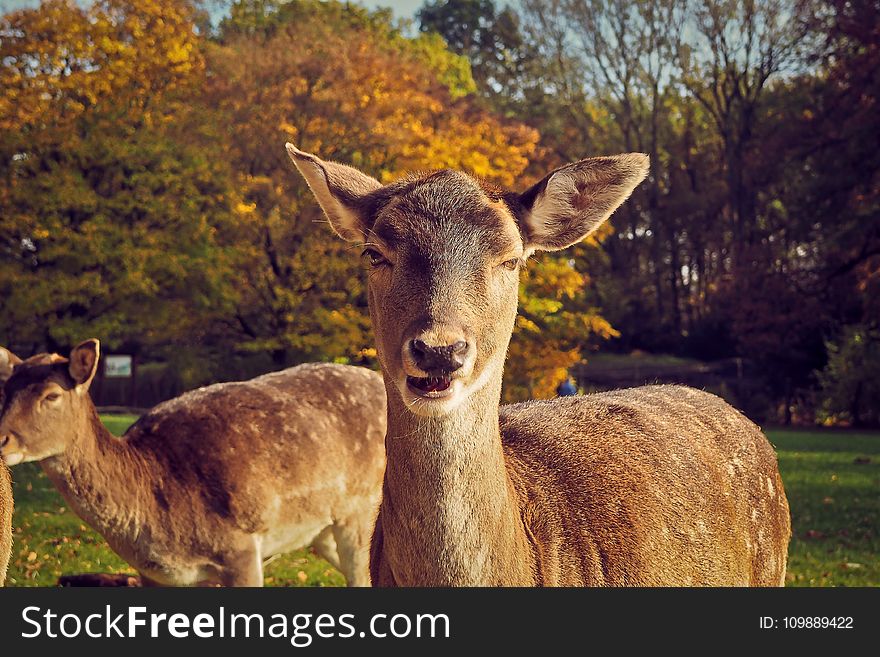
402 8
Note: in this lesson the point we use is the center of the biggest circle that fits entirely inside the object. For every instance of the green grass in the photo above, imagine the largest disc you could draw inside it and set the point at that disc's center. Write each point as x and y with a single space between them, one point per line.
834 497
118 423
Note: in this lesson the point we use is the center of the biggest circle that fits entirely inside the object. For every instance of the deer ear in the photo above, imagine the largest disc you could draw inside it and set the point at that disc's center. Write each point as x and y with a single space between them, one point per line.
8 361
84 362
338 188
573 201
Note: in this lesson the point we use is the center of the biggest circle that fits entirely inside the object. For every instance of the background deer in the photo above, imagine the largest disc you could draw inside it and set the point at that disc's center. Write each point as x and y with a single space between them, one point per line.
5 520
660 485
205 487
7 362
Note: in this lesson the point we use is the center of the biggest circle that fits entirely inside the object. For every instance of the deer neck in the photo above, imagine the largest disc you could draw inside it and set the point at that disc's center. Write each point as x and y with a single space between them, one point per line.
450 515
102 479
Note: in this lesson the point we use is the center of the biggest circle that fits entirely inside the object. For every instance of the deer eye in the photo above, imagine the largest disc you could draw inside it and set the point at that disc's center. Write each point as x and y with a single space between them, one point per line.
52 396
511 264
375 258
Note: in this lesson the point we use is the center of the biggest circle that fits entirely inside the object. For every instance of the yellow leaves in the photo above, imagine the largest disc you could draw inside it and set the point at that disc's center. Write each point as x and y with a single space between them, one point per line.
245 208
473 141
524 324
554 326
534 368
61 60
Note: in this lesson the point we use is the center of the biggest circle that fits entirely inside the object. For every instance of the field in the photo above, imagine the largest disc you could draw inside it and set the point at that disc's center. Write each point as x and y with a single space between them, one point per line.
832 480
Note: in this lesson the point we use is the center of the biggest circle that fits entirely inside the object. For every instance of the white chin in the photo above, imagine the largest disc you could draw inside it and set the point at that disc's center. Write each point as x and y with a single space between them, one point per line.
433 406
14 459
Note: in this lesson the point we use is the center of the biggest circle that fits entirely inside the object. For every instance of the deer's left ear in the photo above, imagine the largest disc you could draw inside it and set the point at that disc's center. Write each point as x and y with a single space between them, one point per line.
573 201
84 363
338 188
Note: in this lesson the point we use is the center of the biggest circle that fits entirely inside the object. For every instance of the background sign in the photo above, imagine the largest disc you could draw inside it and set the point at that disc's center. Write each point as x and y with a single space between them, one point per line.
118 367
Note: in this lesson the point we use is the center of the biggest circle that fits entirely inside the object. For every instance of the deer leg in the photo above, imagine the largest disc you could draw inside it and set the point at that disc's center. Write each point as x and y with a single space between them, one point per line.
244 568
353 546
325 546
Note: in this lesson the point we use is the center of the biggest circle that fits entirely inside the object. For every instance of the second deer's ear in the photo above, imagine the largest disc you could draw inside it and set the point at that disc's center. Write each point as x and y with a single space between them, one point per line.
573 201
338 189
8 361
84 362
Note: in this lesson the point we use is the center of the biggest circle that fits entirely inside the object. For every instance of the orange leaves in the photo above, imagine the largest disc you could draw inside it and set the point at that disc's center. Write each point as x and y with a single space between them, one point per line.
351 88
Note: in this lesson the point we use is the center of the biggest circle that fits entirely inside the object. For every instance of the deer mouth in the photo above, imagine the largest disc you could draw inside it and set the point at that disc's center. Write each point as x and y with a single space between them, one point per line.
432 387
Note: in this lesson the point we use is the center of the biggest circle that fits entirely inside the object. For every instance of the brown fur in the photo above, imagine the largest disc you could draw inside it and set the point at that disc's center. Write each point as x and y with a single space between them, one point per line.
645 476
204 487
661 485
8 361
5 520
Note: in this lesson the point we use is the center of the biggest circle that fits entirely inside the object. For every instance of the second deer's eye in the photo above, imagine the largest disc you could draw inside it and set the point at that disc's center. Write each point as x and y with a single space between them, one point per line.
510 264
52 396
375 258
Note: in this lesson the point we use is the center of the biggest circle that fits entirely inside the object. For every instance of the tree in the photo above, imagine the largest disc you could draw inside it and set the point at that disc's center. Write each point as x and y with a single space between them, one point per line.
850 380
110 211
491 40
343 82
727 61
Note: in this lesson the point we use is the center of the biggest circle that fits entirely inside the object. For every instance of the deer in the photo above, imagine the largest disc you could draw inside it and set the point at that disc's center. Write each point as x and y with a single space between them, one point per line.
6 508
7 363
660 485
206 487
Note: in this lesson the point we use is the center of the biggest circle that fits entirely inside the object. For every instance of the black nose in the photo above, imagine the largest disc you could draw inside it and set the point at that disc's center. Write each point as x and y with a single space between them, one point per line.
438 360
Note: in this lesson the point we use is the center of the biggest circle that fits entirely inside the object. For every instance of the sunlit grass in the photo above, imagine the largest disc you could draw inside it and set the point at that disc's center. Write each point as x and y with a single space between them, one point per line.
832 480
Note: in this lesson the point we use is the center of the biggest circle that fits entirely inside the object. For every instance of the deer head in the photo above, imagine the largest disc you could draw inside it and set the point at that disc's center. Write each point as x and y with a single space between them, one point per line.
43 401
444 253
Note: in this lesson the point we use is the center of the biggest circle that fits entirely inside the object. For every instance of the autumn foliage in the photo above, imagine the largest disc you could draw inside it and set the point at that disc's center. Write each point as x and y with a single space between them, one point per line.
147 198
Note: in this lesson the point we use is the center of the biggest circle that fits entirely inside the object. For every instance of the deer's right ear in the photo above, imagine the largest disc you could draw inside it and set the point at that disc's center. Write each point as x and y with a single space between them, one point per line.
84 363
571 202
8 361
338 189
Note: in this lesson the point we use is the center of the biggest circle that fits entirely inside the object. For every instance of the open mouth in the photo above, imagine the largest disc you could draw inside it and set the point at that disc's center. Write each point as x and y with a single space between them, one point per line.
430 386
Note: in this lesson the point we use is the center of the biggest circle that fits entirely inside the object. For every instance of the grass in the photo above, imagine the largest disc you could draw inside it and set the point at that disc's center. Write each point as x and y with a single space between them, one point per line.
832 480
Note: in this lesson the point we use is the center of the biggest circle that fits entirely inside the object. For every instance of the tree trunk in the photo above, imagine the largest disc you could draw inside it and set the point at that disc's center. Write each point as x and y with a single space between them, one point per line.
854 408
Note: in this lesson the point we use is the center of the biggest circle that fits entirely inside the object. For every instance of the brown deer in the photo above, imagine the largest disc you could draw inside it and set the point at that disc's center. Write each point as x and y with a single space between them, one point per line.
7 363
5 520
205 487
661 485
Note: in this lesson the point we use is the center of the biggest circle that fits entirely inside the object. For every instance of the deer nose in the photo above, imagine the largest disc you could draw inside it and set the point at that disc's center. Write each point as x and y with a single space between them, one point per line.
438 359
